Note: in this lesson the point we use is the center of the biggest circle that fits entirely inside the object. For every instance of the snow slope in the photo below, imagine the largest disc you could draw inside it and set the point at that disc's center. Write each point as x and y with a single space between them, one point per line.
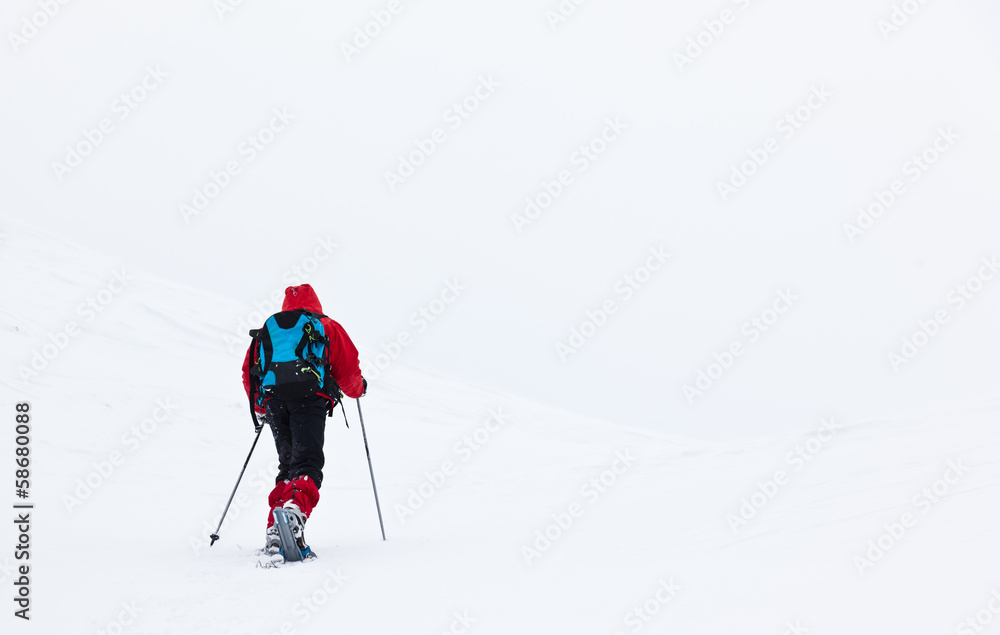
211 80
655 537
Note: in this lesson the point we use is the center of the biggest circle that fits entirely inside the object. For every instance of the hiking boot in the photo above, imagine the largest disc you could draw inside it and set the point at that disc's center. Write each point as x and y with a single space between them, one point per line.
272 542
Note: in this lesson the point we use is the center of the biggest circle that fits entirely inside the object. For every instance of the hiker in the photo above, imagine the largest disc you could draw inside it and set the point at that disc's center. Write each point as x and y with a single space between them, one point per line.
294 372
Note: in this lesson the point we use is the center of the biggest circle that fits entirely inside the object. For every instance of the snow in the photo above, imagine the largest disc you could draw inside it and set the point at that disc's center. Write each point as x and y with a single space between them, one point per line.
468 477
818 484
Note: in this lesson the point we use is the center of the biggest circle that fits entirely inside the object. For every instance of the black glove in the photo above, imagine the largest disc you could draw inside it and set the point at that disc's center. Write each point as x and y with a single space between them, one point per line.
364 386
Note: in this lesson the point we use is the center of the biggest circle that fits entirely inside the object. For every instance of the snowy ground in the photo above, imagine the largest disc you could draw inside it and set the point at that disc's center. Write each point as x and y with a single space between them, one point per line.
736 375
649 521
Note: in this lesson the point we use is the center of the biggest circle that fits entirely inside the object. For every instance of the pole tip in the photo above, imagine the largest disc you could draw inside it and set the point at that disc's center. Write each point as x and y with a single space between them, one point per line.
214 537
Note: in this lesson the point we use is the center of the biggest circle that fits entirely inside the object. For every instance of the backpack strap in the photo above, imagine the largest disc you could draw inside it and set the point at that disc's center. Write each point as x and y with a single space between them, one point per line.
255 375
310 338
256 370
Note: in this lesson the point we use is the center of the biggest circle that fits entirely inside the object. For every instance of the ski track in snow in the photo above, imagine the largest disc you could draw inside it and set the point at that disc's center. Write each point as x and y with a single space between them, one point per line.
141 536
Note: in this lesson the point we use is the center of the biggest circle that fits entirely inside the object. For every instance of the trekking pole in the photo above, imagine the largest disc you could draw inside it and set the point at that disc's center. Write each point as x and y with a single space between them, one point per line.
370 471
215 536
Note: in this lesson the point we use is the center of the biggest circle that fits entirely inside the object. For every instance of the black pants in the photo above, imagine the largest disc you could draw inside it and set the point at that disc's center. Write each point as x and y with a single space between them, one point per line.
298 426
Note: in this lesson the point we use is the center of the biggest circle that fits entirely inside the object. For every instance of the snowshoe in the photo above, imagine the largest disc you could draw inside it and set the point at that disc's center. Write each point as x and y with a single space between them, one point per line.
291 533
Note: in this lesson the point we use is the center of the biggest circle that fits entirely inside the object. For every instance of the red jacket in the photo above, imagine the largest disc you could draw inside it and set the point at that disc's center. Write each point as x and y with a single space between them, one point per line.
342 354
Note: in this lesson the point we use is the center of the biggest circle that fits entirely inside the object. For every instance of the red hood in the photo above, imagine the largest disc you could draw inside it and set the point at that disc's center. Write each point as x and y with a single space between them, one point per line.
301 297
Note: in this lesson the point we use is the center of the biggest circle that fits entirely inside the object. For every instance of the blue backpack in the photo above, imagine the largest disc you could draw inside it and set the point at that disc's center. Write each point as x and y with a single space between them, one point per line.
290 359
